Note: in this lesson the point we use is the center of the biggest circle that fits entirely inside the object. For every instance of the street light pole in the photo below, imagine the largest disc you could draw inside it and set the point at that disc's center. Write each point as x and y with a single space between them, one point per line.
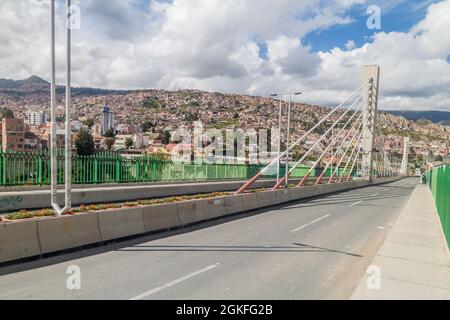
53 97
287 134
68 164
279 137
53 178
287 140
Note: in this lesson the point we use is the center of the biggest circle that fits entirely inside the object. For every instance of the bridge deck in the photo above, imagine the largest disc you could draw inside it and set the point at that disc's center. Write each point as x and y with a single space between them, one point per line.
312 249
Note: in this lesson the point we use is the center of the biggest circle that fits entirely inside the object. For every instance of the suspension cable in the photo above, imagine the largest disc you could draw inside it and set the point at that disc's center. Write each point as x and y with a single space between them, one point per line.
336 170
339 148
350 158
355 161
280 156
317 161
279 183
317 143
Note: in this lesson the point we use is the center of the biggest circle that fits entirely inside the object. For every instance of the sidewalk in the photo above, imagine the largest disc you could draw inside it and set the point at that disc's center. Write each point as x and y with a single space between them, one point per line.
414 260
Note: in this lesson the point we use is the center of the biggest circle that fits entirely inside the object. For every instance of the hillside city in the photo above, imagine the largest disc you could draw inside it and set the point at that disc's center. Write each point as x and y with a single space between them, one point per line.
139 122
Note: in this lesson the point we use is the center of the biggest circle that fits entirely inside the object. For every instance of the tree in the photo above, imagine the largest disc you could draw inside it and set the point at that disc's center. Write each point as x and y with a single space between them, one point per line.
85 143
89 123
109 142
128 142
145 126
109 133
166 137
6 113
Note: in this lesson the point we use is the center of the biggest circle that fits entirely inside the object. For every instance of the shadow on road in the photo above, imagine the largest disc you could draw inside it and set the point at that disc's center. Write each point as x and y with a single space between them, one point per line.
298 247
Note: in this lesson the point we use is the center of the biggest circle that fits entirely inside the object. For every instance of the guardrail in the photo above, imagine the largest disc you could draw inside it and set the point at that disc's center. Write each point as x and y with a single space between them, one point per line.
33 168
439 181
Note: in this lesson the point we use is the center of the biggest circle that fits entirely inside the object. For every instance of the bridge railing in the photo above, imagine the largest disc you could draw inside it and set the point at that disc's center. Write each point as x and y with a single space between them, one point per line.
439 181
33 168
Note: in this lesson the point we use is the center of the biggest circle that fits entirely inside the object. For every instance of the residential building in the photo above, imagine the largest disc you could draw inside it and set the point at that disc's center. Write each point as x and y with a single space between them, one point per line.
13 134
97 130
32 141
35 118
106 120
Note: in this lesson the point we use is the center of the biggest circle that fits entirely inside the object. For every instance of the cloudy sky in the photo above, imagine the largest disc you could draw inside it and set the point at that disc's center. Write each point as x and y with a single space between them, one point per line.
243 46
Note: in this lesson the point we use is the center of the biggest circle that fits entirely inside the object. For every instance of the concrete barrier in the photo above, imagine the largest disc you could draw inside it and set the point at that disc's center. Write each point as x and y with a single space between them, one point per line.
215 208
265 198
234 204
67 232
36 199
249 201
280 196
191 211
161 217
116 224
18 240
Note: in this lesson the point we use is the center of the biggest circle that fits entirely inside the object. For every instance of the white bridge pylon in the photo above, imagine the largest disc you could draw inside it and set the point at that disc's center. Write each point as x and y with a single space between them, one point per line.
354 141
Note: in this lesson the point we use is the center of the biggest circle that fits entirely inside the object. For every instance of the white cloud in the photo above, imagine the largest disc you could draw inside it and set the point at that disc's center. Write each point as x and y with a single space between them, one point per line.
350 45
215 45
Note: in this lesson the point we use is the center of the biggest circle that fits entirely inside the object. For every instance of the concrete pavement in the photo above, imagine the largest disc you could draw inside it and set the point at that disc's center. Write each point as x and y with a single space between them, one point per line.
315 249
414 260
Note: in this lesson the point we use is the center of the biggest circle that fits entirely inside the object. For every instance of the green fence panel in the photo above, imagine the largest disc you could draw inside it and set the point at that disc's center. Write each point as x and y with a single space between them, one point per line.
33 168
439 181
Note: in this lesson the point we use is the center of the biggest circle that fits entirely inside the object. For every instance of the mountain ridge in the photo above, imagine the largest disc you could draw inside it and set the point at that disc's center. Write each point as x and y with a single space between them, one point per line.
439 117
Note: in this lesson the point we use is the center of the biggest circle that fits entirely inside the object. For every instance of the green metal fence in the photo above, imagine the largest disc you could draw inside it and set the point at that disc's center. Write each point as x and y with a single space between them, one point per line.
439 182
33 168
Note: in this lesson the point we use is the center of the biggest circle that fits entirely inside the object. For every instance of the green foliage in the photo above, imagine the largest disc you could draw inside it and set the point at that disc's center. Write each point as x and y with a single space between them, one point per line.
128 142
166 137
61 118
19 215
89 123
110 133
109 142
85 143
147 125
6 113
153 103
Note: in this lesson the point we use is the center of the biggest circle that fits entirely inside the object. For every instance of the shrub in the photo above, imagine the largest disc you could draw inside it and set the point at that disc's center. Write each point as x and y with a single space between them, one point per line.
44 213
130 204
20 215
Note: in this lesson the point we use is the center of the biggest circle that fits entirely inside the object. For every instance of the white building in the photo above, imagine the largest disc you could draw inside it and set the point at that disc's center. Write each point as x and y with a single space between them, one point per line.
35 118
120 141
106 120
140 141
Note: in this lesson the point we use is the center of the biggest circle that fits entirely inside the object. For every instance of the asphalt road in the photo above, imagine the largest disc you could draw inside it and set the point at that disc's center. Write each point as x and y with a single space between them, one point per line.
316 249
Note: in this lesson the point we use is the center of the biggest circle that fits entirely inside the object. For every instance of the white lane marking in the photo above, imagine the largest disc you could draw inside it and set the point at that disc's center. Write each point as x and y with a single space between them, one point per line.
171 284
374 195
310 223
356 203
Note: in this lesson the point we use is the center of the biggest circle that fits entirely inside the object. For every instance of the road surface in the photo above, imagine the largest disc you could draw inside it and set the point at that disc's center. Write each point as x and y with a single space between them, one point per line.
315 249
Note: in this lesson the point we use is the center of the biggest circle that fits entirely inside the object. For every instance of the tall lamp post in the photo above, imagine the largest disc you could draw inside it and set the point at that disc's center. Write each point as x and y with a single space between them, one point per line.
290 94
68 139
